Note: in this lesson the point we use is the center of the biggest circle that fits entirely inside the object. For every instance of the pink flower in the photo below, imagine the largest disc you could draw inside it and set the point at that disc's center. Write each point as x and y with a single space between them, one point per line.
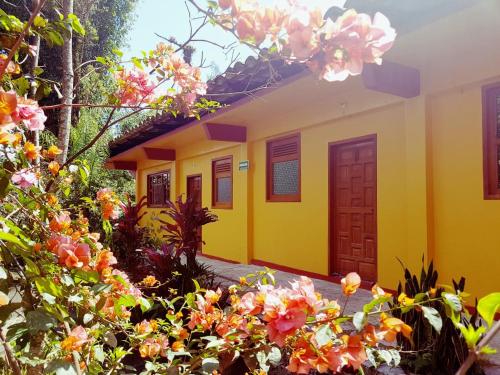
286 323
350 283
24 178
75 340
30 115
134 87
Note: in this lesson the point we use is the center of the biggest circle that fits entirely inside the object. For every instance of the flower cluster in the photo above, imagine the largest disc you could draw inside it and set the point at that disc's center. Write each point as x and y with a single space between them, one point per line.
109 202
135 87
334 49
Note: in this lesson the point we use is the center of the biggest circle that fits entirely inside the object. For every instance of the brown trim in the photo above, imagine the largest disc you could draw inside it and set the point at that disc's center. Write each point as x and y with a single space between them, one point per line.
148 186
331 198
125 165
226 132
491 142
270 197
313 275
159 153
222 205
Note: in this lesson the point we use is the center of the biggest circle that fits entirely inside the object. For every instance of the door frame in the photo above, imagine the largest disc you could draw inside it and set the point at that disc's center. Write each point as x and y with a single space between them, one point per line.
332 146
201 200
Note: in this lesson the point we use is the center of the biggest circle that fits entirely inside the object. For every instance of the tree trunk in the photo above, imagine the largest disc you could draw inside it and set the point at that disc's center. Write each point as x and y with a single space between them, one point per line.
67 87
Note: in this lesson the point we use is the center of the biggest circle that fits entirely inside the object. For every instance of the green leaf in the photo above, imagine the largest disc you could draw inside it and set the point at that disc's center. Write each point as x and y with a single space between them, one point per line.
324 335
49 298
48 286
396 356
375 302
433 317
488 306
88 318
8 237
386 356
215 343
31 268
209 365
6 310
487 350
359 320
39 320
87 276
453 301
61 367
471 335
40 22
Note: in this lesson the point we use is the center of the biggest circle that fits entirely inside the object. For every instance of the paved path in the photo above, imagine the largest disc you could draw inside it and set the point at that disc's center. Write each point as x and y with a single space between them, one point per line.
230 274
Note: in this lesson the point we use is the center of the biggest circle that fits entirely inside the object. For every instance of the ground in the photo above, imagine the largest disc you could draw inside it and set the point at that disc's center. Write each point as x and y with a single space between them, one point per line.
229 273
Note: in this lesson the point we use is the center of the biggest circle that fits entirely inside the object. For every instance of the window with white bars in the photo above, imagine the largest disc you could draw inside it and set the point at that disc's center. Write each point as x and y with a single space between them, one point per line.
222 182
283 169
491 141
158 189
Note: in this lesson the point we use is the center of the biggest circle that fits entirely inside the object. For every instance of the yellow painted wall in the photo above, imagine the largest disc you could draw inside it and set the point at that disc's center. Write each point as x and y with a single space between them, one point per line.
466 226
296 234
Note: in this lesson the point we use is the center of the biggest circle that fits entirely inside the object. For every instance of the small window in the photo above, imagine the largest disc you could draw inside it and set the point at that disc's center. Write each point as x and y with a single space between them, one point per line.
222 182
491 141
283 169
158 189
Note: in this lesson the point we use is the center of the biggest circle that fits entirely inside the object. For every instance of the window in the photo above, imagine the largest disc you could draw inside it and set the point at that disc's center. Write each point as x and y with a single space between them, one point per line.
222 182
491 141
283 169
158 189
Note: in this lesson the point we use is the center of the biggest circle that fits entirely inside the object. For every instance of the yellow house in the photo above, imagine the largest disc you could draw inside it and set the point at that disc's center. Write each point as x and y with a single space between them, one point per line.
326 178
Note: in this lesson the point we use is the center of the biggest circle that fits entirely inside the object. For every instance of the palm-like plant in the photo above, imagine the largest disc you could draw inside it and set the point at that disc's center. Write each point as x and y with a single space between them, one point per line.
182 226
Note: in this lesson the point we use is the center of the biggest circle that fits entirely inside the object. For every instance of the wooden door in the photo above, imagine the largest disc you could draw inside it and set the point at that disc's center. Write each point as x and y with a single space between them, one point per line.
194 192
353 206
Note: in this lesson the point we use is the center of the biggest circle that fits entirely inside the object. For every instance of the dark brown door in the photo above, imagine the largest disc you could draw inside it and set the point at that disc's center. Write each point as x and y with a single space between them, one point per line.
194 192
353 229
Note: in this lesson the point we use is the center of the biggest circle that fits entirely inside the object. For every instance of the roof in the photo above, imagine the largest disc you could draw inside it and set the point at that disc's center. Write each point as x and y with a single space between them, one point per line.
255 74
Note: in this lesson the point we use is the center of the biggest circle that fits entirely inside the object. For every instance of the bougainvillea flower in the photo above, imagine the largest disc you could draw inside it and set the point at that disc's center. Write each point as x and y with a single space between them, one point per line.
248 304
53 167
24 178
390 327
355 353
134 87
150 348
105 259
146 327
7 138
30 151
52 152
350 283
8 104
30 114
76 340
378 292
61 222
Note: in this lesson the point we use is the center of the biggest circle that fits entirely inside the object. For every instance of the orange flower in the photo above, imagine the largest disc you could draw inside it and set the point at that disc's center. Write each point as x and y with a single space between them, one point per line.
60 223
52 199
391 326
178 346
7 138
8 104
52 152
30 151
146 327
54 167
350 283
104 260
149 281
75 340
149 348
37 247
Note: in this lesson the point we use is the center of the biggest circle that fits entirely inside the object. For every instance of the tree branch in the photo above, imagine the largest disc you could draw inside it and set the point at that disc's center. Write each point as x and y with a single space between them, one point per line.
20 38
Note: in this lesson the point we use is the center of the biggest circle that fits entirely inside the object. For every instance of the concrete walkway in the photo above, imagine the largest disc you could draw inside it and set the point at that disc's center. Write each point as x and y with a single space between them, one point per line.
230 274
